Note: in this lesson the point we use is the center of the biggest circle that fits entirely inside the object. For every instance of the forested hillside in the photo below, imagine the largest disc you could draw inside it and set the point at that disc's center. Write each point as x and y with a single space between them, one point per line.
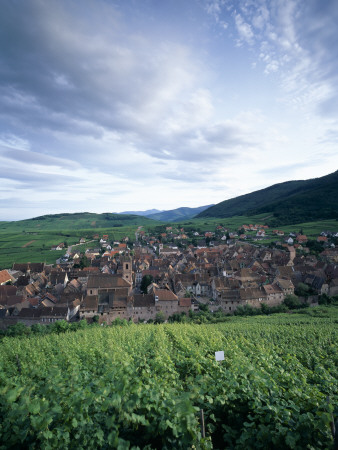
287 203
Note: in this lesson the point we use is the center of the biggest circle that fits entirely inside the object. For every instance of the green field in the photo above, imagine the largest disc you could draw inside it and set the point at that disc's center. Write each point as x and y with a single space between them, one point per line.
143 386
40 242
70 228
31 240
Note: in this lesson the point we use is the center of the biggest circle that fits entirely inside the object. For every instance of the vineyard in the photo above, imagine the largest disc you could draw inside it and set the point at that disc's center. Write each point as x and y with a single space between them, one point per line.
143 386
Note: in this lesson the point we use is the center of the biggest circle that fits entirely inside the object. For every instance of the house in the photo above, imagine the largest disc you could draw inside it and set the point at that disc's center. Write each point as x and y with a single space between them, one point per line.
274 294
73 286
89 307
113 294
30 316
166 301
14 301
185 305
253 296
286 286
229 300
202 287
144 307
5 277
107 283
58 247
58 277
322 239
29 267
54 313
333 287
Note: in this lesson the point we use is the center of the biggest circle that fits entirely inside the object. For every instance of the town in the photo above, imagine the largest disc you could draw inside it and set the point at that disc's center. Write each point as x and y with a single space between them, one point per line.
176 272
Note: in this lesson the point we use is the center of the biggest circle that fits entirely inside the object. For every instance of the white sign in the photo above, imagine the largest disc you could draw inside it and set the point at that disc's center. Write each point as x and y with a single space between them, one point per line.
219 356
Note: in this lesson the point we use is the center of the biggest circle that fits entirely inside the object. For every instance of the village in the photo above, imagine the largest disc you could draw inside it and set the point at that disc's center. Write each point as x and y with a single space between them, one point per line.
174 272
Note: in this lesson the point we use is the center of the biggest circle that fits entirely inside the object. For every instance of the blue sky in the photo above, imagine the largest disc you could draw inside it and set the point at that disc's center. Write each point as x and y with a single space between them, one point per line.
130 105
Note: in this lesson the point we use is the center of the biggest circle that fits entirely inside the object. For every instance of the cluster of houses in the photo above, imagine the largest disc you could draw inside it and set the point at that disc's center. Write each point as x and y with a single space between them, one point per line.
227 275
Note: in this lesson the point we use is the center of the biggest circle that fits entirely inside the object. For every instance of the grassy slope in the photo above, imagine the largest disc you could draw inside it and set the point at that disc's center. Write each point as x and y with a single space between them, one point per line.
47 231
76 221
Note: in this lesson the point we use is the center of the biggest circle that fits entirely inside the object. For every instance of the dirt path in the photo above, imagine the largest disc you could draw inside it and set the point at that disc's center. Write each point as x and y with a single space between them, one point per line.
28 243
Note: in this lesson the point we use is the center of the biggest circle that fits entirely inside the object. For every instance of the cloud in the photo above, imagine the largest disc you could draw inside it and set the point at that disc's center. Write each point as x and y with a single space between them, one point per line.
12 141
37 158
60 76
296 40
244 30
112 102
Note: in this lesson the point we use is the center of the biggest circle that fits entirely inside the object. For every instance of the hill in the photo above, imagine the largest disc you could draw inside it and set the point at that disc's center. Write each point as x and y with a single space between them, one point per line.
287 203
76 221
175 215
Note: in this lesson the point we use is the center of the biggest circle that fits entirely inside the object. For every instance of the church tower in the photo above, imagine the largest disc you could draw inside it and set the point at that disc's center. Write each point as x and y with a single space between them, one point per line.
127 268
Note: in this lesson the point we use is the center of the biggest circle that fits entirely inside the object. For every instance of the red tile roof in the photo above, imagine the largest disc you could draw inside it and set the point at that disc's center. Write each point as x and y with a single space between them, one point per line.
165 295
185 302
4 276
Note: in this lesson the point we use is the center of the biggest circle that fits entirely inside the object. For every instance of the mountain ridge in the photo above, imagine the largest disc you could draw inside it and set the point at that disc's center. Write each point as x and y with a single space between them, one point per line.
174 215
145 213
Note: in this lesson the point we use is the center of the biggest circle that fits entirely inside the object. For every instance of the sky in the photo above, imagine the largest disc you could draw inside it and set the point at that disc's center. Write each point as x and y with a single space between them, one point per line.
116 105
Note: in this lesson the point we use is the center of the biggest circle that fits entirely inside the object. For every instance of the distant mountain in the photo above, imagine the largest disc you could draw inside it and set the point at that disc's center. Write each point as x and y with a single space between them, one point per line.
176 215
287 203
148 212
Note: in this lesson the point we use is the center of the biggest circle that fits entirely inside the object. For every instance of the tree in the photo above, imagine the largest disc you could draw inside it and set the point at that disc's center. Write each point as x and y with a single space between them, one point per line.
37 328
203 307
302 290
292 301
160 318
19 329
84 262
146 281
61 326
78 325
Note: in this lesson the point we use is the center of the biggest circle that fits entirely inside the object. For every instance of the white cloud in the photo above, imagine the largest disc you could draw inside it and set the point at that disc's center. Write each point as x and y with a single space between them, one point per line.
244 30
